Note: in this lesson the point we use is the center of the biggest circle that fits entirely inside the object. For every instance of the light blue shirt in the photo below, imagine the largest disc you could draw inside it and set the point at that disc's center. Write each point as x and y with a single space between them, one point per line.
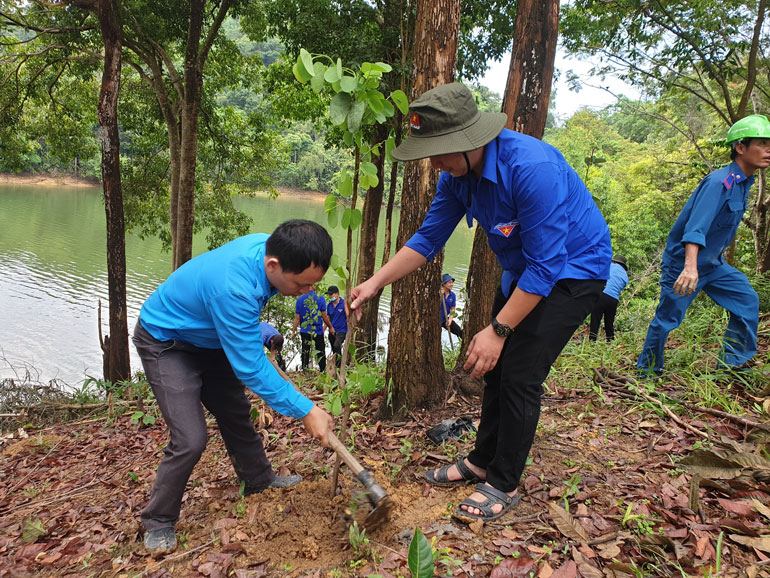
213 302
617 281
541 221
709 218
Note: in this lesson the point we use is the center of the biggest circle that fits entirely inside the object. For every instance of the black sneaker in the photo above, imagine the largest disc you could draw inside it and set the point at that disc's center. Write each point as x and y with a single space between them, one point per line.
161 541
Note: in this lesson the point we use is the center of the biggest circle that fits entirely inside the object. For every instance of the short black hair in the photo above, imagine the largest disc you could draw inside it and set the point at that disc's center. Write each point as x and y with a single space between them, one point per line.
276 342
733 152
299 244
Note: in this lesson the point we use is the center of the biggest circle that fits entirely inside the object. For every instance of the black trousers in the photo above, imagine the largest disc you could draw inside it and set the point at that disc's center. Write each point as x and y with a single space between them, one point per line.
336 342
510 409
320 350
605 307
185 379
454 328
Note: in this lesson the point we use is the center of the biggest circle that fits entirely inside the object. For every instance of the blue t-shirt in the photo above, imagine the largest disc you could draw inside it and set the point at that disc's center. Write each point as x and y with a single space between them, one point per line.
213 302
450 301
310 320
268 332
617 281
337 315
541 221
709 218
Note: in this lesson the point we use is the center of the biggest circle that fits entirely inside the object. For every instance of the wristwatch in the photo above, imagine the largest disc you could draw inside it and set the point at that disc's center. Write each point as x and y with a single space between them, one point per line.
501 329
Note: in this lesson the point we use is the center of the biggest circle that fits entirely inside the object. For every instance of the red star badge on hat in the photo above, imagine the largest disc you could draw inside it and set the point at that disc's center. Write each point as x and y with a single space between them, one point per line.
414 121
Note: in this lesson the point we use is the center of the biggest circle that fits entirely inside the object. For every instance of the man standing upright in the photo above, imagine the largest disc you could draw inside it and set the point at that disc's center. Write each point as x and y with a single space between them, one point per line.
310 316
338 313
693 260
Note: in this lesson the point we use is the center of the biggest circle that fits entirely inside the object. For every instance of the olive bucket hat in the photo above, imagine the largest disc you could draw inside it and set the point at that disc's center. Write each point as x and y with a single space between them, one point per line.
446 120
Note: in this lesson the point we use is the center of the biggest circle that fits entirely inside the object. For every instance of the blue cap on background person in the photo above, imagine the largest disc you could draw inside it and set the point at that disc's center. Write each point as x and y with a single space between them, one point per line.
446 278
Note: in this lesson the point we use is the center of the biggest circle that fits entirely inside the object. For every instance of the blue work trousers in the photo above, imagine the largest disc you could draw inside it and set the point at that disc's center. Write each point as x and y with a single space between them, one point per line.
729 288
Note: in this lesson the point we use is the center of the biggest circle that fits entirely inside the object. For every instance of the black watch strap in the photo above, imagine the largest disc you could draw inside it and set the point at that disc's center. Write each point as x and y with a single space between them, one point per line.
501 329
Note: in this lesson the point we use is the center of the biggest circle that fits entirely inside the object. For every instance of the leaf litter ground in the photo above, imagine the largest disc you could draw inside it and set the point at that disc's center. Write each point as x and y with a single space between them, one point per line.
605 495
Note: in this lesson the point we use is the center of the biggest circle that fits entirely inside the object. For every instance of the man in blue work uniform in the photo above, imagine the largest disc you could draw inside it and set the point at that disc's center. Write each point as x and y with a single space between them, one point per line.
273 342
448 306
554 248
200 342
310 316
607 305
693 261
337 310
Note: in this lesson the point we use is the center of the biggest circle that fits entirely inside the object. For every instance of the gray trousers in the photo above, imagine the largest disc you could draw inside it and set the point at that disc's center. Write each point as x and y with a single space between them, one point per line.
182 378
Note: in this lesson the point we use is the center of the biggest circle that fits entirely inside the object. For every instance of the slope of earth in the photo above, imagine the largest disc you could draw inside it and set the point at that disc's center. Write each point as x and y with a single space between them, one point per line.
606 494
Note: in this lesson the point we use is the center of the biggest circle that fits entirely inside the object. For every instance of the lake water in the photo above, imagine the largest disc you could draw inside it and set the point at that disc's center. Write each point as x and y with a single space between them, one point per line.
53 273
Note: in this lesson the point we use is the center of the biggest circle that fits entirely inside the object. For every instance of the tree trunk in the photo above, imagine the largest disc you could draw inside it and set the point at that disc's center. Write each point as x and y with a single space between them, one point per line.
117 362
366 332
526 98
193 80
415 361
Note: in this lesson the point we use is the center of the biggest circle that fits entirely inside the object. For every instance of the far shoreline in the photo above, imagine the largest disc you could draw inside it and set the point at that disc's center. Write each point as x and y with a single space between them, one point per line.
67 180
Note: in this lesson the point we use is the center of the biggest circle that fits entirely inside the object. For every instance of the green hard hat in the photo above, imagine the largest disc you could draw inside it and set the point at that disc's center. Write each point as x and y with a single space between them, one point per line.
752 126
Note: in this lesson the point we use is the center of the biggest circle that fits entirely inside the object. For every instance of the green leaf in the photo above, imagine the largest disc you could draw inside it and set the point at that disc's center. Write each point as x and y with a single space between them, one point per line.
300 73
33 529
347 138
388 107
339 68
345 188
148 419
340 107
336 406
368 384
348 83
334 262
390 144
382 66
356 114
332 217
400 100
317 82
330 203
342 272
307 61
368 168
330 75
346 218
420 558
355 219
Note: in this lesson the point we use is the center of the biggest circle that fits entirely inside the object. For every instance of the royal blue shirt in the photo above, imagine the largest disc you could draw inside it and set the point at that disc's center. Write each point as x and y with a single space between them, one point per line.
337 315
268 332
213 302
710 218
310 320
450 301
617 281
541 221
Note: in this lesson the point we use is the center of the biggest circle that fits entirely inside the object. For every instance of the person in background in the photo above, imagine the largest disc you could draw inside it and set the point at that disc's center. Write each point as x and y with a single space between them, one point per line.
448 305
273 341
607 305
200 342
310 316
554 248
693 260
338 312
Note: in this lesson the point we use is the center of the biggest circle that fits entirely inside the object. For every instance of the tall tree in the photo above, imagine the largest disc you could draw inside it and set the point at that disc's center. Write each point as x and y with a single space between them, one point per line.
526 98
117 365
415 363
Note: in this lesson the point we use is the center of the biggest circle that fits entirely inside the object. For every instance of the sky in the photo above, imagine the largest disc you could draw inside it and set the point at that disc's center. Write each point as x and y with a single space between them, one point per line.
567 101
